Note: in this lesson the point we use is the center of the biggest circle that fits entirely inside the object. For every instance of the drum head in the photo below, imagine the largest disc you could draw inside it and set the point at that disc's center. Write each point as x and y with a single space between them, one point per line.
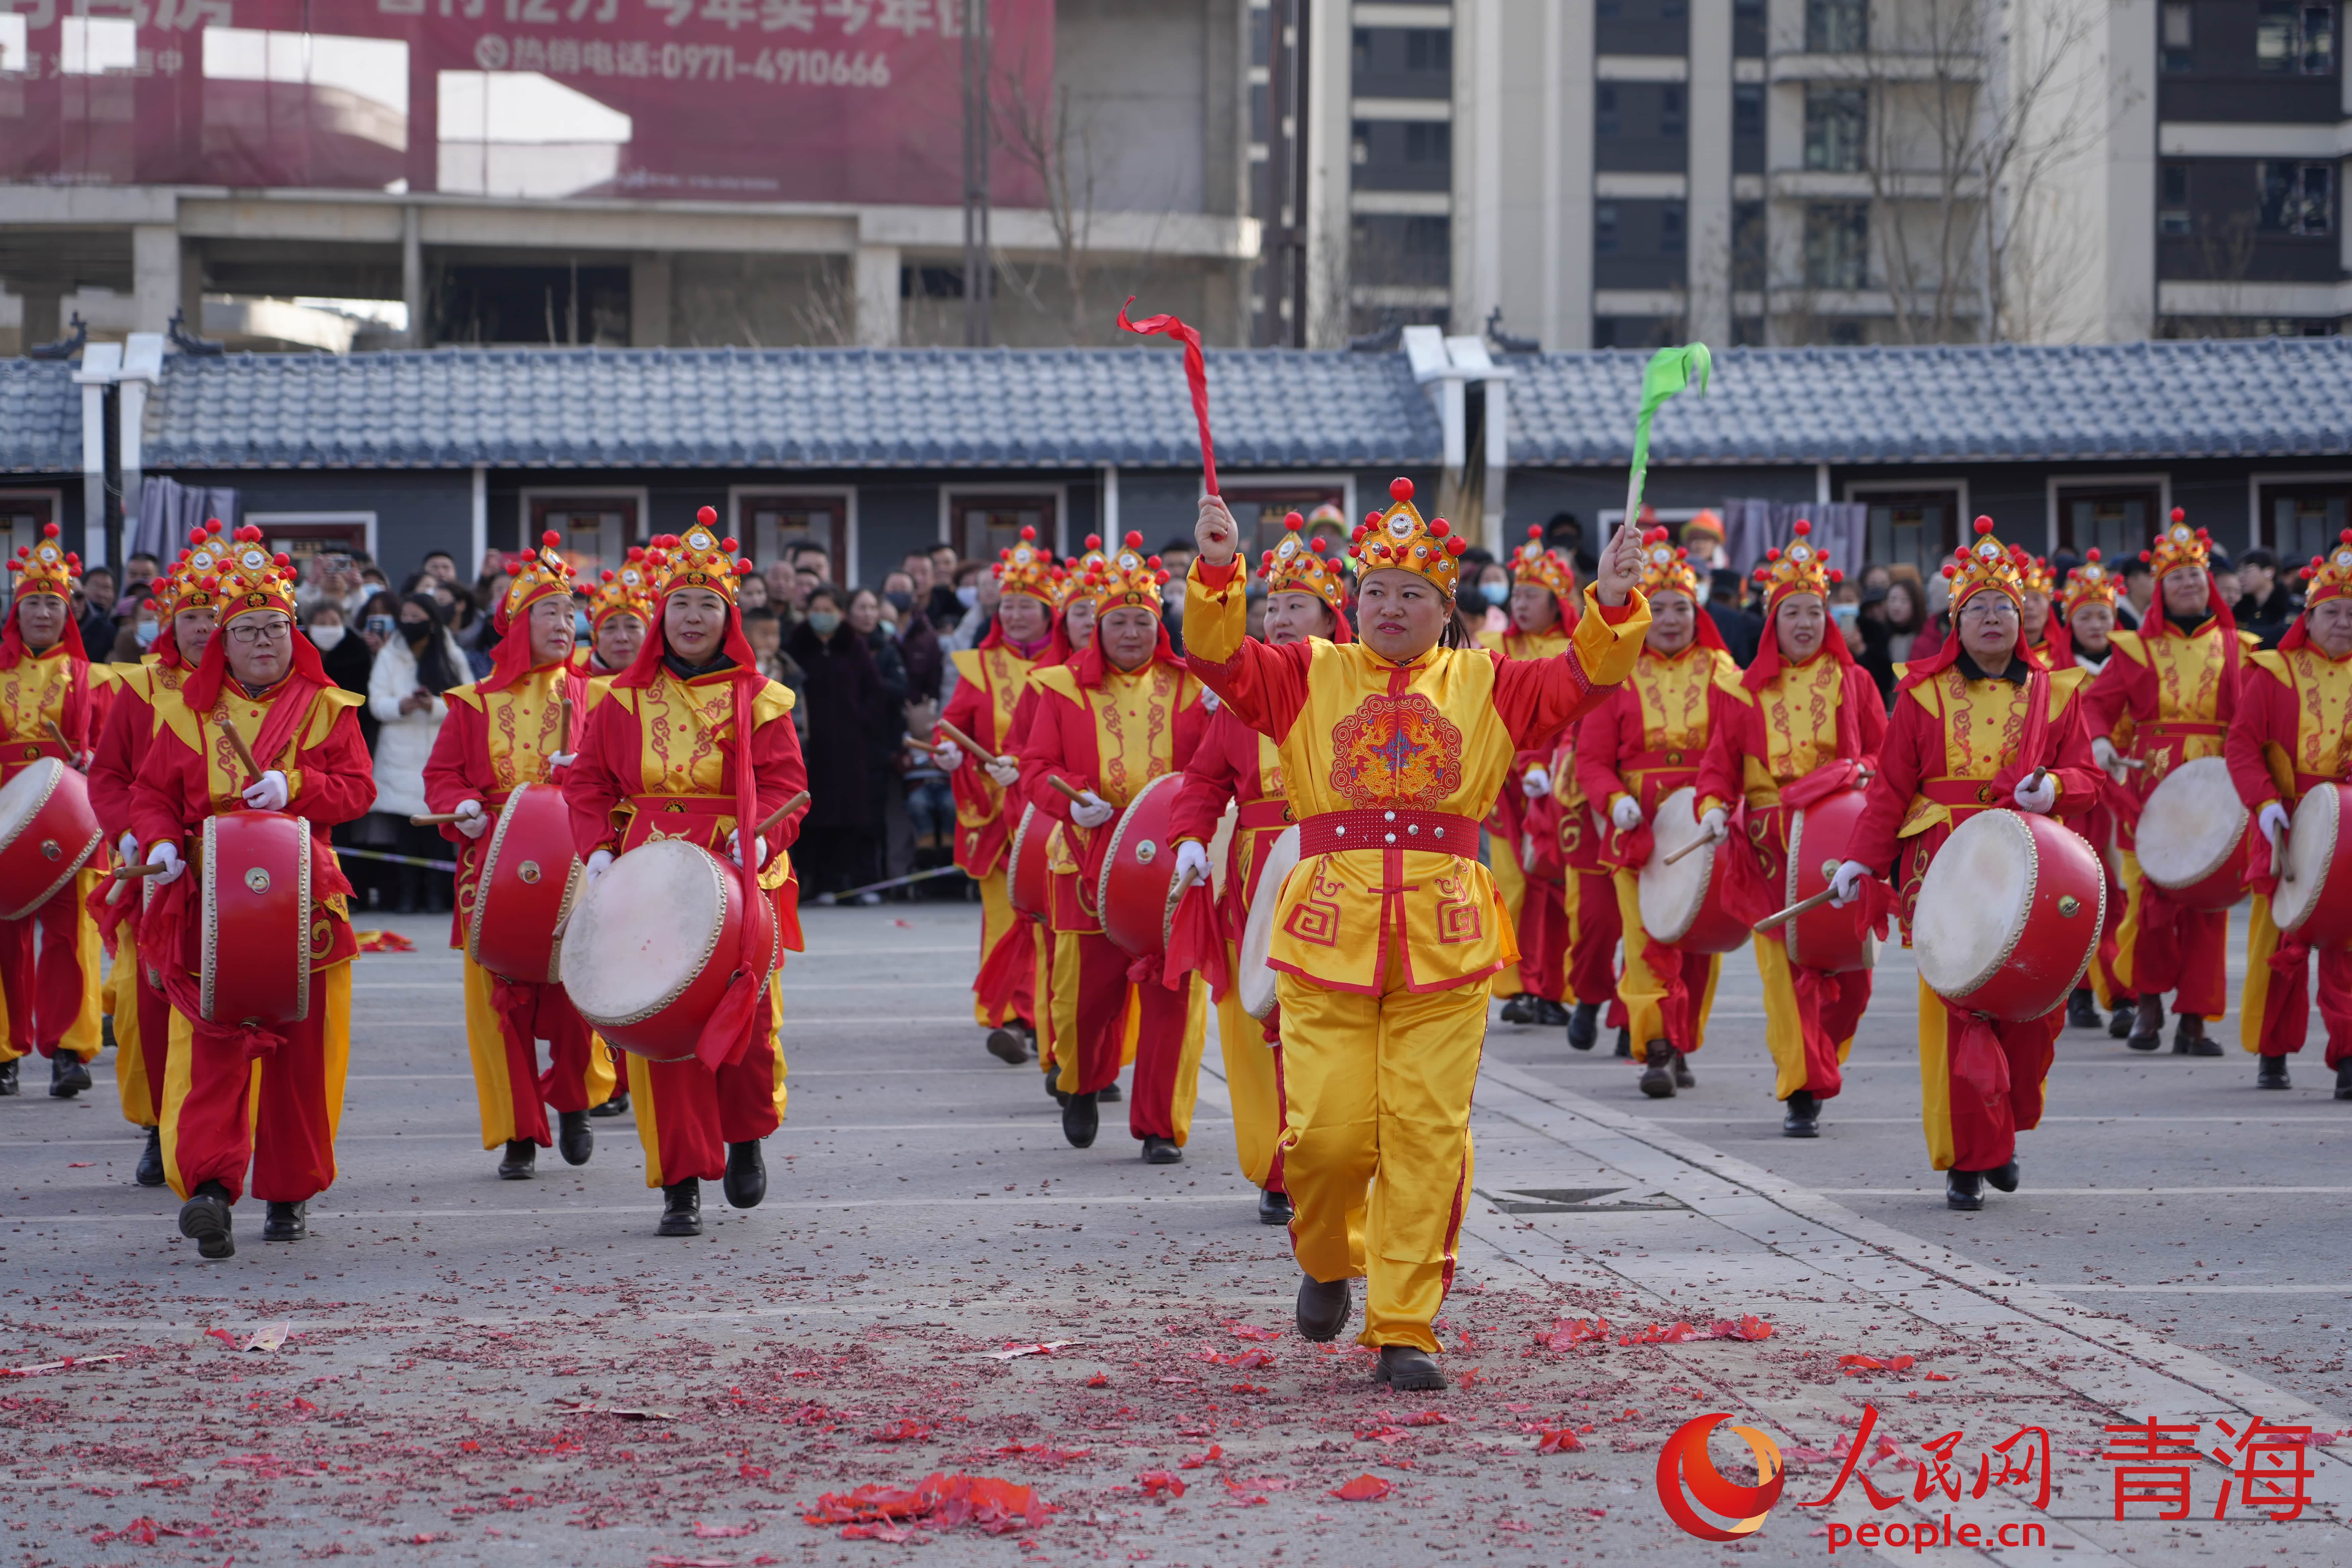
24 795
2193 822
1254 977
644 931
56 860
1973 902
1672 895
1221 845
2310 852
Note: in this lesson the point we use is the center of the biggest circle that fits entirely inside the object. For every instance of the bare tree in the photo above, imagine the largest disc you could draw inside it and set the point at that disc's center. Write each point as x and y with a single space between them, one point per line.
1054 141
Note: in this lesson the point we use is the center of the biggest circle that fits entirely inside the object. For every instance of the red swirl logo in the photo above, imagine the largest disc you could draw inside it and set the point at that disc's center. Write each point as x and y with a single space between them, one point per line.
1686 1474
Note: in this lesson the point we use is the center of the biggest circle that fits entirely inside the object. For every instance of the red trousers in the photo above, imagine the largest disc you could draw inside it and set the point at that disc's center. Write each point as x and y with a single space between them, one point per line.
1545 930
2163 946
2275 1013
47 998
1592 959
223 1112
1980 1084
687 1114
1170 1029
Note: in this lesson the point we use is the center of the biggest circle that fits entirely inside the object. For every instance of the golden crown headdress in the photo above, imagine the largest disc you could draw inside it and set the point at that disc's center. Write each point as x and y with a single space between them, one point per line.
2090 583
2033 573
2177 546
1666 568
2330 576
699 558
1127 580
540 575
1985 564
1298 565
1546 569
1398 540
182 587
626 590
249 577
1803 568
1028 568
45 566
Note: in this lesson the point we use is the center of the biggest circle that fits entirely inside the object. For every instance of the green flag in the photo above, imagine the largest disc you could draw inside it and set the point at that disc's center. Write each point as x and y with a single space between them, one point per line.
1668 372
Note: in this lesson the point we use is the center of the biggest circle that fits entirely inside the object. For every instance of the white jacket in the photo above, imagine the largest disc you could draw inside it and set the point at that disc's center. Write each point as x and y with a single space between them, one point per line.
404 742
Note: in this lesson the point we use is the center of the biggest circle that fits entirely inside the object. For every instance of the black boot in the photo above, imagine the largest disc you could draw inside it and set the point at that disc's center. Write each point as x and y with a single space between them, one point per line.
204 1219
1624 1041
286 1222
9 1076
1080 1121
1683 1078
2271 1073
521 1161
1963 1189
1054 1084
1273 1208
2119 1021
1161 1151
2148 1025
150 1172
2189 1038
2004 1175
1520 1009
747 1174
1109 1094
69 1075
1584 1026
2344 1081
2082 1010
1658 1075
1550 1014
617 1106
1322 1308
1803 1117
575 1139
1409 1369
1005 1046
681 1209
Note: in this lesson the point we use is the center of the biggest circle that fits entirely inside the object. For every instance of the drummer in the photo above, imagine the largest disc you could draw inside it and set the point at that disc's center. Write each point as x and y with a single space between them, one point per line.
2043 632
1975 724
1307 597
143 693
1637 746
660 755
1565 821
990 680
1106 722
2293 731
1812 727
267 1096
46 680
502 732
2081 640
2176 681
1385 953
1543 613
618 612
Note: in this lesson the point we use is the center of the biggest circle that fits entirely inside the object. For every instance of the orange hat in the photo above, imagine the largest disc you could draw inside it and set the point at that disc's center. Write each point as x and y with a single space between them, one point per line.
180 588
1298 565
1027 568
2033 573
1706 524
699 559
2179 546
2090 583
626 591
2330 576
1129 580
1987 564
1801 568
45 566
1546 569
542 574
1398 540
249 579
1666 568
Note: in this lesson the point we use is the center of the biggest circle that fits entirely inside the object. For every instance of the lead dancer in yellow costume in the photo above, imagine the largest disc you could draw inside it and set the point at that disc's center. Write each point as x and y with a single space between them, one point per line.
1389 930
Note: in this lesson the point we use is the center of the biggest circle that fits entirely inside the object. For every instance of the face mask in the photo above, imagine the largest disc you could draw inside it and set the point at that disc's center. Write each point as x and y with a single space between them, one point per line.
146 632
825 623
1496 592
967 596
324 638
900 600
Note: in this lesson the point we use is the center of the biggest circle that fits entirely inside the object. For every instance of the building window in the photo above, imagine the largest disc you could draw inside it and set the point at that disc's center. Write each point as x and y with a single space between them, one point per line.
1837 26
1670 228
1835 121
1607 119
1748 30
2172 213
1918 528
1428 49
1428 142
1747 109
1606 235
2295 38
2178 36
1837 245
1671 121
1747 252
2304 520
2116 522
2296 199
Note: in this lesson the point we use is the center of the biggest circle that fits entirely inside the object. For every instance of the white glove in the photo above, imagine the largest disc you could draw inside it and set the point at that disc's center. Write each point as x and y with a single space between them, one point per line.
2104 752
1192 860
2273 821
1848 883
129 848
268 793
1715 823
598 863
1090 810
472 820
2041 799
1537 784
168 857
1005 771
759 849
1626 813
562 759
948 756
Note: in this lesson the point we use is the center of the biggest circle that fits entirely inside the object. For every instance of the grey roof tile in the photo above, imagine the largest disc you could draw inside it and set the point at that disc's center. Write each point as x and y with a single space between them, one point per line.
40 417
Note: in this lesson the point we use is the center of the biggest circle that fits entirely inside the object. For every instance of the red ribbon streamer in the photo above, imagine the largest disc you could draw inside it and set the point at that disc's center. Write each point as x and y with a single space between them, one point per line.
1196 372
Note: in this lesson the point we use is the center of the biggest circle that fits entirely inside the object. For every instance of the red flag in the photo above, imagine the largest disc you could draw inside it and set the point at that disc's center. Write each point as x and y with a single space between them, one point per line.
1196 372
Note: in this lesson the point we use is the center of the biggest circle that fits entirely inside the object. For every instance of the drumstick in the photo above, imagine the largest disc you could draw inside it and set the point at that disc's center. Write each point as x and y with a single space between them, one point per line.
140 870
780 812
923 746
2285 870
564 734
1793 911
59 735
436 819
244 751
1693 847
987 758
1059 782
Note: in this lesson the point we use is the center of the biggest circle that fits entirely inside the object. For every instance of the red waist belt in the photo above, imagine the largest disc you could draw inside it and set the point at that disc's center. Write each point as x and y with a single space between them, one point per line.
1962 792
1680 757
1266 812
2165 729
1380 827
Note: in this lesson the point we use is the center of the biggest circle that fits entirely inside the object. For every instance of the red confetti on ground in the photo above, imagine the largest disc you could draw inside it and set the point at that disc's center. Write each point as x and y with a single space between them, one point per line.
753 1472
1159 1483
1250 1331
1098 1381
1854 1364
722 1532
1246 1360
901 1432
1194 1461
224 1336
1747 1326
1364 1489
1430 1418
80 1164
1381 1434
1938 1376
993 1506
1570 1333
1557 1440
383 942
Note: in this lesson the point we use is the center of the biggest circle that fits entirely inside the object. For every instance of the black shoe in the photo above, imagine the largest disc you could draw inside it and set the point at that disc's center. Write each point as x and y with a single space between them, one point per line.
1322 1308
1550 1014
2004 1175
1683 1078
2082 1010
1803 1117
204 1219
69 1075
1005 1046
286 1222
2145 1042
1624 1042
1109 1094
2271 1073
1409 1369
681 1209
1160 1152
9 1076
1272 1208
1963 1189
2344 1081
2186 1043
521 1162
617 1106
575 1139
747 1174
1054 1084
2120 1021
150 1172
1520 1009
1584 1026
1080 1121
1658 1075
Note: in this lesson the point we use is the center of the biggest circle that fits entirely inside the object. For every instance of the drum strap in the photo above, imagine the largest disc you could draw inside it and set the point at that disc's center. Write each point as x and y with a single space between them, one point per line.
1271 812
1973 793
1438 832
2165 729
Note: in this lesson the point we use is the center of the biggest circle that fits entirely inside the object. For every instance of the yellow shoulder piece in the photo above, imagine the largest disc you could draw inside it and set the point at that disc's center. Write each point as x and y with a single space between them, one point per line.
1492 640
1727 676
2064 686
2275 662
2130 645
470 694
1925 694
1058 678
103 676
2249 641
130 678
598 689
968 664
773 700
325 709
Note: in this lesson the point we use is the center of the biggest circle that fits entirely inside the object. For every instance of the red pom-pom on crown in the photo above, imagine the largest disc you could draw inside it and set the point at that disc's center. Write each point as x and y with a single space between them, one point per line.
1401 489
707 516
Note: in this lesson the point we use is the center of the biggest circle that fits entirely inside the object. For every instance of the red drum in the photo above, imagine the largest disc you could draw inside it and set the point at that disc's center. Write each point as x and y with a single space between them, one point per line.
2313 901
1252 975
1683 904
1026 884
47 831
2192 836
529 877
256 880
2009 915
1835 940
653 945
1138 870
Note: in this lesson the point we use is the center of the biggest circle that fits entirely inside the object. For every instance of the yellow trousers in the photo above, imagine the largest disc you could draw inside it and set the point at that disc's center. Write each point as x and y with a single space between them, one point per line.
508 1087
996 918
1644 991
1784 1019
1511 886
1254 1082
130 1076
1376 1140
687 1114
